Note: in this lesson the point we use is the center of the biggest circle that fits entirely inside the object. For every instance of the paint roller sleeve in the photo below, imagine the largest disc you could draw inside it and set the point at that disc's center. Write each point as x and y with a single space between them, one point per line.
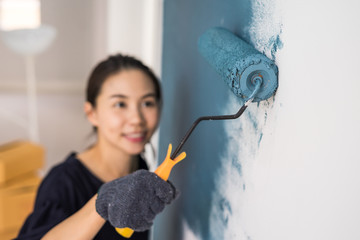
238 63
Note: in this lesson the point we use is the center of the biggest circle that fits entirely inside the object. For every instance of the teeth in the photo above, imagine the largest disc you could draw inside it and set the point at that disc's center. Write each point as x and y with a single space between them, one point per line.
136 135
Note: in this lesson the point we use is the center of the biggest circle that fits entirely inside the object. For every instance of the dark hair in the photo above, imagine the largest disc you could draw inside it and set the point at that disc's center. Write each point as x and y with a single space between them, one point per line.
112 65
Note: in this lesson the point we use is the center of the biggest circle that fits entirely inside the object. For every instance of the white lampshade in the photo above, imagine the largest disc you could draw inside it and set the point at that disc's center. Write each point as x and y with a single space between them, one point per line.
20 14
29 41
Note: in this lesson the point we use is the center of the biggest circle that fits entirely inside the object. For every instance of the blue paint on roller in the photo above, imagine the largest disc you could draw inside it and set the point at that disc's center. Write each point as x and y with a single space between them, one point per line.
238 63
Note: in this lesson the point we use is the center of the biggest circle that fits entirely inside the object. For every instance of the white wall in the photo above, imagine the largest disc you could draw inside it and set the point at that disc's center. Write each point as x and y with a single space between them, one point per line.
315 160
135 28
302 180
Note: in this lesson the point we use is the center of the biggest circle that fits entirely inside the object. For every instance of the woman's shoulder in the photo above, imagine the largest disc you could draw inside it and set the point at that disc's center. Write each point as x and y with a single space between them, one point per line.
142 164
60 172
68 178
57 177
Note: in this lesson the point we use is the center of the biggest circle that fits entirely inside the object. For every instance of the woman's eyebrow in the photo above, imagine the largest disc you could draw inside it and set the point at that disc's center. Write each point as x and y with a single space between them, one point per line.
149 95
118 96
124 96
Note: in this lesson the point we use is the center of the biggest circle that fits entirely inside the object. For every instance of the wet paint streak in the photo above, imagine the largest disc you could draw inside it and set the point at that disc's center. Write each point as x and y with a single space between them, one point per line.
261 135
237 165
225 208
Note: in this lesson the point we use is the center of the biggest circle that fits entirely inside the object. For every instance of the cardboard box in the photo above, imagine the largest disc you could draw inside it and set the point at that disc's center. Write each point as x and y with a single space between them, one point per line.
18 158
17 201
11 234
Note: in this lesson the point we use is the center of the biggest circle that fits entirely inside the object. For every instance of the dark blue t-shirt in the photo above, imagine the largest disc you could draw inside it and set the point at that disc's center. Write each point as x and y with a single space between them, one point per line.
66 189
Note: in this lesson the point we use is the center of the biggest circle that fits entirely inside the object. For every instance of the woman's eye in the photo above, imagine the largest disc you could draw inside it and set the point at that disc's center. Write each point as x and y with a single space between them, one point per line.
120 105
149 103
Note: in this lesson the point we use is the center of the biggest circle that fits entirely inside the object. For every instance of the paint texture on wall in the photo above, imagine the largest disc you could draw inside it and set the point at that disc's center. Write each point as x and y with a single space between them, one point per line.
234 199
266 26
212 179
289 167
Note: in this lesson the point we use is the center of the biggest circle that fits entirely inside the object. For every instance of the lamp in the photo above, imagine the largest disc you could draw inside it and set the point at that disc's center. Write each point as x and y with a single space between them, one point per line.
27 41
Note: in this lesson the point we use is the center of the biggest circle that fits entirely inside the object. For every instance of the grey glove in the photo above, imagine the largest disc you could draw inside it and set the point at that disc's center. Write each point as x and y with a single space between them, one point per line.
134 200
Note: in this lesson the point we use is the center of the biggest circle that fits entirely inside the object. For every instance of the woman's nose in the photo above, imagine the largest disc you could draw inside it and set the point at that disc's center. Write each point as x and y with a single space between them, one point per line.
136 116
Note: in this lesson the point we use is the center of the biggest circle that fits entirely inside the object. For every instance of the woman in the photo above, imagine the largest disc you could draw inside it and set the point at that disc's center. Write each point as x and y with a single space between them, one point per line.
123 103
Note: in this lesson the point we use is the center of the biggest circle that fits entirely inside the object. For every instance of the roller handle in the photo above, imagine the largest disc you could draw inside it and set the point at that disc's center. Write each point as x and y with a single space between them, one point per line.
163 171
258 80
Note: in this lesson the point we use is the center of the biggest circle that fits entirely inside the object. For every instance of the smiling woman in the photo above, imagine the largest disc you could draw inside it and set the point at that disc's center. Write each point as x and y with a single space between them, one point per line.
123 104
126 112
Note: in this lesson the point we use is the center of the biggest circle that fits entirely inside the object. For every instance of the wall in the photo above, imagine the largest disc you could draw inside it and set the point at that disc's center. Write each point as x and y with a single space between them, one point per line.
288 168
135 27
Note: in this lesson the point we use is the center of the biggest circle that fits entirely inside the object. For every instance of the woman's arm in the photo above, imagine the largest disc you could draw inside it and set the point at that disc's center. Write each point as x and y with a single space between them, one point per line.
132 201
84 224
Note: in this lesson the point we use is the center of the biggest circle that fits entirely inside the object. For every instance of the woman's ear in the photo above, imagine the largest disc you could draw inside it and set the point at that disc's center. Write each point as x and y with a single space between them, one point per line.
90 113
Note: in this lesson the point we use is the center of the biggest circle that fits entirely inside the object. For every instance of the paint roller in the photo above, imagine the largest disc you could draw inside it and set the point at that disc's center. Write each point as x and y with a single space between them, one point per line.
249 74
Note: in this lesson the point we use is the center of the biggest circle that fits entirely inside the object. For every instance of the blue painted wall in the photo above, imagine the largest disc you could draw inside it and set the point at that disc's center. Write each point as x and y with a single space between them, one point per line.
193 89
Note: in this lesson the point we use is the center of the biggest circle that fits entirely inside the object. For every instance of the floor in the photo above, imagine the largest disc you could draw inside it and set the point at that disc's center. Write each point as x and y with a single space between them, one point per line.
63 126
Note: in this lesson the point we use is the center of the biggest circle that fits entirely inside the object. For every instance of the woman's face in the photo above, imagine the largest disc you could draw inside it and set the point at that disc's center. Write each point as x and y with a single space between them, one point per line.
127 111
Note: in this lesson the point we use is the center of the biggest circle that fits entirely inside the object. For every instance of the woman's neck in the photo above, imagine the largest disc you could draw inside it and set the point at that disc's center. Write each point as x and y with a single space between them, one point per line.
108 163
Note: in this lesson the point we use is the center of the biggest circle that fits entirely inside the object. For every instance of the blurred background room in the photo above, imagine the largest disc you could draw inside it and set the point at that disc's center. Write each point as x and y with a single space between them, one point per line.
86 32
47 51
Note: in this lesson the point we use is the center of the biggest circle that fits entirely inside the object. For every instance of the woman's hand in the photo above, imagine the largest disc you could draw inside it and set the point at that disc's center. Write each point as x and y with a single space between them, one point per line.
134 200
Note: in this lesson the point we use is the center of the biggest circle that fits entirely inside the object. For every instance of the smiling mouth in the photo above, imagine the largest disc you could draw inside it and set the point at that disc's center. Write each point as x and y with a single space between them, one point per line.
136 137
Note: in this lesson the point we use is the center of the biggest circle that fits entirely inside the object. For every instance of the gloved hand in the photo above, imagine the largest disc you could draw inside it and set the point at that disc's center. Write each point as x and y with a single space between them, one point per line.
134 200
